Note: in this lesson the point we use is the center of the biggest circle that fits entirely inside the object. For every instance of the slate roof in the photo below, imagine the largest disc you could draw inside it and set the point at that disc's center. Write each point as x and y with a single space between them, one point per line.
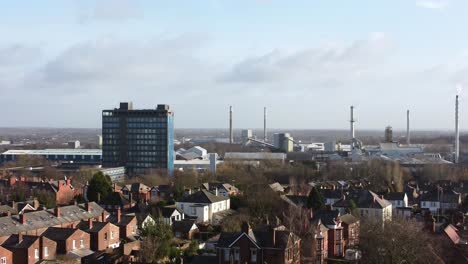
261 237
395 196
349 219
202 197
58 233
26 242
167 211
331 194
327 217
183 226
444 197
297 200
97 226
213 185
124 219
116 198
7 208
363 199
46 218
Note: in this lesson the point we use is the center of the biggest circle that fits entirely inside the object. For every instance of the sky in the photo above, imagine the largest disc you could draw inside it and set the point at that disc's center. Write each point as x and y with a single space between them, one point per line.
63 62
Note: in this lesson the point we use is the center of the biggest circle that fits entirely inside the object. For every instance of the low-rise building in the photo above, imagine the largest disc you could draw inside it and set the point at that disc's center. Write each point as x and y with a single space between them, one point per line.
202 205
103 235
368 205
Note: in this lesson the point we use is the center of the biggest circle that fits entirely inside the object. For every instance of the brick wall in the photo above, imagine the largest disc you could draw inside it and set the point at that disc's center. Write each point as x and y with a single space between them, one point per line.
7 254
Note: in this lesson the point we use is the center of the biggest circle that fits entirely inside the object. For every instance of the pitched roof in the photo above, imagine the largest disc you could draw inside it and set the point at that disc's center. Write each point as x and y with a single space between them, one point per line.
202 197
137 187
363 199
124 219
442 196
97 226
26 242
46 218
58 233
395 196
167 211
327 217
183 226
349 219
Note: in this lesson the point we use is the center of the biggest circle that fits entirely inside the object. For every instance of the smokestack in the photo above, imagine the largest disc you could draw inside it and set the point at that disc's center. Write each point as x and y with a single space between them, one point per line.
231 134
264 124
457 132
352 121
407 128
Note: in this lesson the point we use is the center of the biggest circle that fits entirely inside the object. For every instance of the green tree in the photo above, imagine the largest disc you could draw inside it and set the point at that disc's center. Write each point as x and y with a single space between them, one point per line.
315 200
156 243
99 187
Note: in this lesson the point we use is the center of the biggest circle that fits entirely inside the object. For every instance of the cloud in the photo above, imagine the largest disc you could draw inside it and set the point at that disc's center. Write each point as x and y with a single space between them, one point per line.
110 10
432 4
327 64
115 64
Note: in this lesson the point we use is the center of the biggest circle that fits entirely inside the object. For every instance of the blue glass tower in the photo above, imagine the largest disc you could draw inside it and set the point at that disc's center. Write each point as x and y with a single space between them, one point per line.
140 140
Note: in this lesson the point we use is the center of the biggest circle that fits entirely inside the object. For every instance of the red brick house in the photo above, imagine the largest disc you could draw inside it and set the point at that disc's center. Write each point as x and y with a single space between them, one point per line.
103 235
62 190
269 245
26 249
139 191
68 239
351 226
335 239
6 256
127 223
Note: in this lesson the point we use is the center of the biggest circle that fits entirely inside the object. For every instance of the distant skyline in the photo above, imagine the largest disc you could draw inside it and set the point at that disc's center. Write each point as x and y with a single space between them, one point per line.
63 62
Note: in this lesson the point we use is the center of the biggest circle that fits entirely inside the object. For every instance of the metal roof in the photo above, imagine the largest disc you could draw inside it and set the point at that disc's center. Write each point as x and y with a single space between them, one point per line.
254 156
53 152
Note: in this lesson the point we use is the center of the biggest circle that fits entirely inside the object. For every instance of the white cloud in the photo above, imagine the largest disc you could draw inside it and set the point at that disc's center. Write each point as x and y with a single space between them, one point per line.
432 4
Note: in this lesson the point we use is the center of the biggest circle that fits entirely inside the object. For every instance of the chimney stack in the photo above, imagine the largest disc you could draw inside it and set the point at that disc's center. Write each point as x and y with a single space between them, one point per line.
407 128
23 218
20 238
103 216
57 211
231 134
352 121
265 124
90 223
118 215
457 132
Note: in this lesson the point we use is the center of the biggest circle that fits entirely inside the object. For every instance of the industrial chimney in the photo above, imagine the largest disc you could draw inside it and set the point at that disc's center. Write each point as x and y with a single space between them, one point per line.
457 132
231 134
407 128
264 124
352 121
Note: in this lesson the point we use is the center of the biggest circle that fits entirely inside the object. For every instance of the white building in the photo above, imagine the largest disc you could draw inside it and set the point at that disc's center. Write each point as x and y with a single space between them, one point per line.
202 205
368 205
398 199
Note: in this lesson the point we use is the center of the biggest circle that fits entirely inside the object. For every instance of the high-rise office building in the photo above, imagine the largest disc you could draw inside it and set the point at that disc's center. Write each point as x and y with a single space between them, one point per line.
139 139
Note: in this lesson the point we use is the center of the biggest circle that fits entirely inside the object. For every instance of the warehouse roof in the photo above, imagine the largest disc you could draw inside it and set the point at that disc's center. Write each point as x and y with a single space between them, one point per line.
53 152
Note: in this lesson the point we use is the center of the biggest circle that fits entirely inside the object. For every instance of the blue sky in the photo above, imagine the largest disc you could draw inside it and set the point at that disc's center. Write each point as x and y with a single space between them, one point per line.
61 62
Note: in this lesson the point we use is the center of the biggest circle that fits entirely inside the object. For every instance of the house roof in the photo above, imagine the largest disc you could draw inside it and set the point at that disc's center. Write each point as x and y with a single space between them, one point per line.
183 226
58 233
327 217
137 188
363 199
297 200
97 226
349 219
395 196
124 219
331 194
6 208
442 196
167 211
277 187
26 242
202 197
260 237
213 185
116 198
46 218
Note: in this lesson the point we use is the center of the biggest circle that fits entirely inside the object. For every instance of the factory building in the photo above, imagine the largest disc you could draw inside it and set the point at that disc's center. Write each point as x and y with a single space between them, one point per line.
138 139
91 156
283 141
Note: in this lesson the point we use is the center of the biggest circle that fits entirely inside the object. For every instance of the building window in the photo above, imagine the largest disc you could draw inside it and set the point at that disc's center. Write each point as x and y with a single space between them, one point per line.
46 251
81 243
226 254
3 260
253 255
105 236
112 234
36 253
236 254
338 249
338 234
74 244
